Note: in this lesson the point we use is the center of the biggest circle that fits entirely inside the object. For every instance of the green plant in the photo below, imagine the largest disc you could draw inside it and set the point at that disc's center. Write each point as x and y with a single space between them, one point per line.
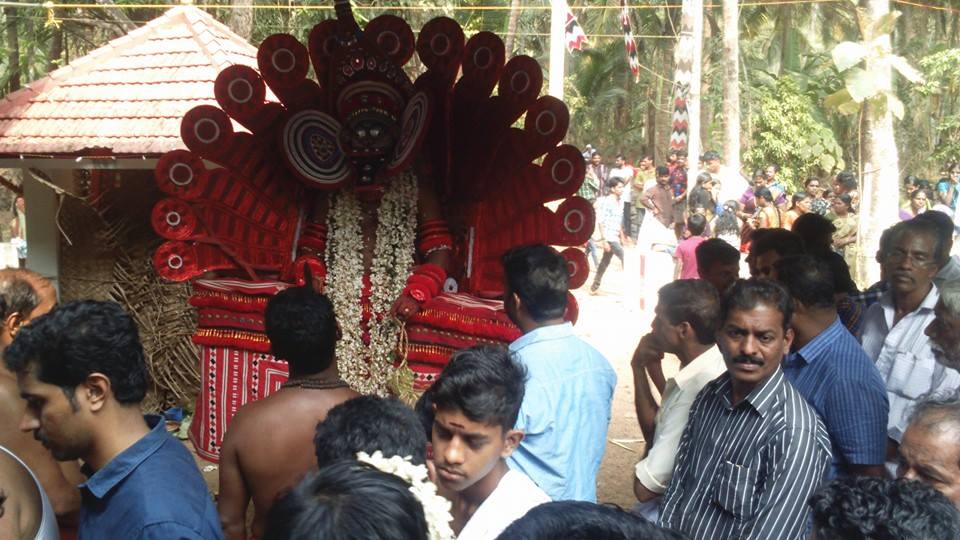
789 132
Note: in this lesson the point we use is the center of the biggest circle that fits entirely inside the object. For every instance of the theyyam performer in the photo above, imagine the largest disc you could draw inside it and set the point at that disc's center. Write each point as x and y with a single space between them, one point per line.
396 197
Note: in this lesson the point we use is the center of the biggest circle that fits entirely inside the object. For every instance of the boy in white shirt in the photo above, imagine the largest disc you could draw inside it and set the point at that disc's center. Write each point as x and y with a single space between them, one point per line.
476 401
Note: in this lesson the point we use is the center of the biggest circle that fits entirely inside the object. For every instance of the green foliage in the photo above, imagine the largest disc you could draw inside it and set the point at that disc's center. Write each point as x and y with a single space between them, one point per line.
787 132
941 71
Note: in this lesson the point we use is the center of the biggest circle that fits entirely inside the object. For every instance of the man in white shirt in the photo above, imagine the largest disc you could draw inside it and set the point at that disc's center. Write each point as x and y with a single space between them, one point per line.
625 173
476 401
893 328
687 317
732 183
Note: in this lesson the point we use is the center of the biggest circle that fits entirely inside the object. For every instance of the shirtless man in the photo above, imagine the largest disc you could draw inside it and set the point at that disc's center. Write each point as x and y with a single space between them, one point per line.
25 512
269 445
25 295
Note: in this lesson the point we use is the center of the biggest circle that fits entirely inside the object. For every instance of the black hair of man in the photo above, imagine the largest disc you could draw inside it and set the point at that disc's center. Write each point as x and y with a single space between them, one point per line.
693 301
681 153
613 182
19 294
812 227
763 193
784 242
847 180
579 520
710 155
868 508
663 171
302 329
696 223
925 226
539 276
424 409
703 178
808 280
348 500
747 294
367 424
716 251
621 156
945 230
78 339
484 383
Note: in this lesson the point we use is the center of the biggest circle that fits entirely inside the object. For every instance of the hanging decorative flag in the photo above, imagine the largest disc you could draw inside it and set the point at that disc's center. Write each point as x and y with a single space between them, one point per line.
628 41
576 38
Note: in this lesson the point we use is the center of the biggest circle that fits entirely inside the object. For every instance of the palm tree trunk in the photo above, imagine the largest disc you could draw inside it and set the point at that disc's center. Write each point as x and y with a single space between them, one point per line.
512 27
241 18
13 49
880 164
731 84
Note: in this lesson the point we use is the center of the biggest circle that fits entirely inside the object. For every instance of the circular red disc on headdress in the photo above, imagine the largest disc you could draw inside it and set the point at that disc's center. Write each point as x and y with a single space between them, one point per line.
240 90
564 169
175 261
205 129
173 219
577 266
283 60
484 56
323 43
413 128
440 44
522 79
577 220
393 37
178 174
310 146
547 119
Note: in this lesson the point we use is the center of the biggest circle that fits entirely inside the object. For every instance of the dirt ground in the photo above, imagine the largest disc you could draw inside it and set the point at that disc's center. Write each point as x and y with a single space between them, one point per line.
612 321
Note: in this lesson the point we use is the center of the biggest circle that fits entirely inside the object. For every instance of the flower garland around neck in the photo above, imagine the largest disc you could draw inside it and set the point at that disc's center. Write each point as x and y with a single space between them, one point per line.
367 367
436 509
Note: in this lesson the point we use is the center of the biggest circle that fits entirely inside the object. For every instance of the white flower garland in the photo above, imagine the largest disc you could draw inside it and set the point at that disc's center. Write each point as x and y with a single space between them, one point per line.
436 509
368 367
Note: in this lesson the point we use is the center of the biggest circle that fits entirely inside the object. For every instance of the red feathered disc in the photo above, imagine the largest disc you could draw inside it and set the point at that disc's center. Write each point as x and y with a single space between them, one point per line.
283 61
441 44
178 174
175 261
312 152
577 266
173 219
393 37
205 129
573 309
577 220
240 91
322 43
563 170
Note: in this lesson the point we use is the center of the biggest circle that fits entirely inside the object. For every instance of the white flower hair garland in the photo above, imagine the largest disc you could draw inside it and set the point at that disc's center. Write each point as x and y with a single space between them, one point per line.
436 509
368 366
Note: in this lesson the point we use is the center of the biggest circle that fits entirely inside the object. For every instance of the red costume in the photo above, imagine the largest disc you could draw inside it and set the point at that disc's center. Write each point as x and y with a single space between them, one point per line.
400 197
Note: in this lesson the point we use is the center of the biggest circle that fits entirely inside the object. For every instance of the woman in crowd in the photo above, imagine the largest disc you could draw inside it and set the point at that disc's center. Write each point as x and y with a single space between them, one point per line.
800 205
727 226
845 222
818 205
917 204
768 216
701 196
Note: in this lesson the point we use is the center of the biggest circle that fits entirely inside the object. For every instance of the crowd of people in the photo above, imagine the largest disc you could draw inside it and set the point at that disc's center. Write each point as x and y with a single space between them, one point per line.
802 406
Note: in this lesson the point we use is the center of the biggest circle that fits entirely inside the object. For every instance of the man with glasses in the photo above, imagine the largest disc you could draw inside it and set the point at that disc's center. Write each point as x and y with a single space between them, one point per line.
893 328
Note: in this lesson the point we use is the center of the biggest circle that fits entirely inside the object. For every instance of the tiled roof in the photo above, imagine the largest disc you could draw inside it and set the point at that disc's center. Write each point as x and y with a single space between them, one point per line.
128 96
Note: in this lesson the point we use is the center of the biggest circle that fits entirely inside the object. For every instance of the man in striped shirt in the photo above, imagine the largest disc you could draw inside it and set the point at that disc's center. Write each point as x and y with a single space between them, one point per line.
753 450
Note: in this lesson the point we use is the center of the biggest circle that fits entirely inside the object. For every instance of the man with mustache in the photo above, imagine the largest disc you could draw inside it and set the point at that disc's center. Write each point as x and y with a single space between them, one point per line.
753 450
476 401
893 328
81 371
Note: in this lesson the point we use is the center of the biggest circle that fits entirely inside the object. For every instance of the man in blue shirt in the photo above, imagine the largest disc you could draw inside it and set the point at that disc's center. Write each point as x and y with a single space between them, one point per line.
81 370
566 408
832 372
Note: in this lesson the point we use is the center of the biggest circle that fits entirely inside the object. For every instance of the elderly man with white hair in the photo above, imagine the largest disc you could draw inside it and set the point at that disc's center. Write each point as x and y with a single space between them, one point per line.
944 330
929 451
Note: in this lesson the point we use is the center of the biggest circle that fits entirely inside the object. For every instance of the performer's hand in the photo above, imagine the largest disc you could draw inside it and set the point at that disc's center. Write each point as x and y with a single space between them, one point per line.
405 307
